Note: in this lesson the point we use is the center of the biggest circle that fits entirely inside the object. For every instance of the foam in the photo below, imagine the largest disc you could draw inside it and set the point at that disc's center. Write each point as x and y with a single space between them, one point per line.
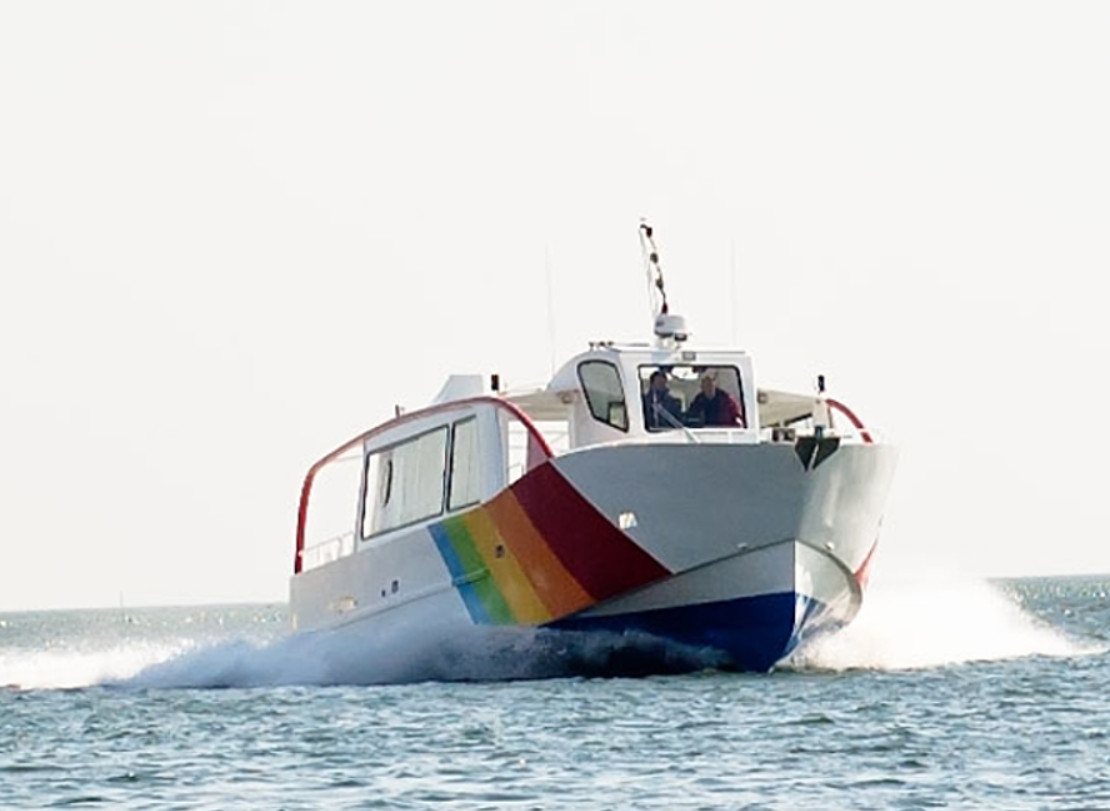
63 669
945 619
905 623
361 656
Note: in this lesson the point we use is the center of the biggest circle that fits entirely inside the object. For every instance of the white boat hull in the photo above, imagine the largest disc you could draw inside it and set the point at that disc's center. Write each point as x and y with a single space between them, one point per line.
745 549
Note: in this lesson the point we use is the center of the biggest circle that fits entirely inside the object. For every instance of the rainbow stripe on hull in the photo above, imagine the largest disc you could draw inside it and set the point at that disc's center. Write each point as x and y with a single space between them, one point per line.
538 552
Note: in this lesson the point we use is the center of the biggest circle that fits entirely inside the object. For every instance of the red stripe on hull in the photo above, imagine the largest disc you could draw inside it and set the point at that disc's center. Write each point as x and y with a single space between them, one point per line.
604 560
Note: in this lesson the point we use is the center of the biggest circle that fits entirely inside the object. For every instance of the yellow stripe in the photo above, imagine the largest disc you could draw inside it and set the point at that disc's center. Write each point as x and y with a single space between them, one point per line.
554 584
512 582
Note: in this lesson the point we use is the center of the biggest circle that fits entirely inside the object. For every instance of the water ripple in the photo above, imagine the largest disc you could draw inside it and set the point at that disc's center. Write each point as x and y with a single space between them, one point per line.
1017 733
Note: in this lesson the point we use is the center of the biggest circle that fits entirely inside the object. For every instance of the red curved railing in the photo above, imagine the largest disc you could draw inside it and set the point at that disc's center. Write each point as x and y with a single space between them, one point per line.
306 488
852 418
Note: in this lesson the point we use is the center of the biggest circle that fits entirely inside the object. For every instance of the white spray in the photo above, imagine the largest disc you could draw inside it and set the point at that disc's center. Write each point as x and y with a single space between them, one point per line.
909 622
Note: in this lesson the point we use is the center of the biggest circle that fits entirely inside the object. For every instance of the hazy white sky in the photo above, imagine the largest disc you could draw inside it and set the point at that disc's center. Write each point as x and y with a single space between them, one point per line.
232 235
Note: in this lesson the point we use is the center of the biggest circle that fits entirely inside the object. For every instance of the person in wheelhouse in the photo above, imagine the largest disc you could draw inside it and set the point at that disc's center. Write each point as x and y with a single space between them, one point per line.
714 405
661 408
711 403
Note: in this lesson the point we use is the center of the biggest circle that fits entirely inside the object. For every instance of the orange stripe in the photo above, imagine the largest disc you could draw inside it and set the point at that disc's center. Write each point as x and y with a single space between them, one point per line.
553 583
515 588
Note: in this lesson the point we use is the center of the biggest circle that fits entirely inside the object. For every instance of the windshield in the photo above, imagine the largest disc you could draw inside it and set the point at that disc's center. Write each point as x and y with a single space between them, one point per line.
692 396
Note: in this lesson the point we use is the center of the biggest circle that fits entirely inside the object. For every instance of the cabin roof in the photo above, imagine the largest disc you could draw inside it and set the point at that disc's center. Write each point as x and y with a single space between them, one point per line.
783 407
542 404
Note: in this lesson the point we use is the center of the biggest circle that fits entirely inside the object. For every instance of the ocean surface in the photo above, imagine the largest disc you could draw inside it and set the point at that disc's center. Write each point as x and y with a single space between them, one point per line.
956 694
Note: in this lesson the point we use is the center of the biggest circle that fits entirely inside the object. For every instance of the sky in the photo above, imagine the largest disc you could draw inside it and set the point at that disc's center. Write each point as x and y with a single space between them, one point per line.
233 235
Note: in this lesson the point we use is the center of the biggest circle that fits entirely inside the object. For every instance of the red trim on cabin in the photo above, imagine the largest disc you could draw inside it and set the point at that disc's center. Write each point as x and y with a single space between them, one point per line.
536 445
852 418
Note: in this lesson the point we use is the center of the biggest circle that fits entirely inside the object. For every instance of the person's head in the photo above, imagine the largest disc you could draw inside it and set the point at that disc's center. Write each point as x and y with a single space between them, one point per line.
658 380
708 385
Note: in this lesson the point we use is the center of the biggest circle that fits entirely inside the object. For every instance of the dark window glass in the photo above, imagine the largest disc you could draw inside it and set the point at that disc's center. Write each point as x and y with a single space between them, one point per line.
601 383
694 396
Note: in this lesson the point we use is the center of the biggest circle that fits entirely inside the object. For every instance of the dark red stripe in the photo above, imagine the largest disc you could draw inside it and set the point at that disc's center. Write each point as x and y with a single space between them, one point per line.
604 560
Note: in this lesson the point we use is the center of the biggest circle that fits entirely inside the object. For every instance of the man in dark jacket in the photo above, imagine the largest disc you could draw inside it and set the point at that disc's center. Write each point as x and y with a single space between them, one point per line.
714 406
661 408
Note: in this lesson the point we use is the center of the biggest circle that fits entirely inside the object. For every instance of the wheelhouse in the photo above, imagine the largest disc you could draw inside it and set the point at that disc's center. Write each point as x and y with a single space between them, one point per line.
615 393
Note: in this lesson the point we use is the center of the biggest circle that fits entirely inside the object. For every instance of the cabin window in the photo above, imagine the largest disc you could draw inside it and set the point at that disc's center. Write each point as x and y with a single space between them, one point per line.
330 521
675 396
601 383
404 483
464 486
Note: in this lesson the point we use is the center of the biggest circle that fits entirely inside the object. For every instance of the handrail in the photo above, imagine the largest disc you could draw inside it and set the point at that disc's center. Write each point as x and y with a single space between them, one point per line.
306 487
337 541
852 418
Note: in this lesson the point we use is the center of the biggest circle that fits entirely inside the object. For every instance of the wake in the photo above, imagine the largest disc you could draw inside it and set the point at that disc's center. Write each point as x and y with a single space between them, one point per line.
910 623
68 669
904 624
356 657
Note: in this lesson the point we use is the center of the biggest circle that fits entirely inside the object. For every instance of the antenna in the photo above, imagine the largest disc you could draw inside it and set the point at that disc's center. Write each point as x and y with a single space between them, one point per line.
670 330
654 272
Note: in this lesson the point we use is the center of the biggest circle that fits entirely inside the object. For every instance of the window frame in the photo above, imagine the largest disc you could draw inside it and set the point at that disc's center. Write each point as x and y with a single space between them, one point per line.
445 428
473 418
589 402
667 367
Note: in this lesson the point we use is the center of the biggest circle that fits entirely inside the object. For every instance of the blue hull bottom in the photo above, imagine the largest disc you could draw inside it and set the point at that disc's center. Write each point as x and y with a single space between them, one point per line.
754 633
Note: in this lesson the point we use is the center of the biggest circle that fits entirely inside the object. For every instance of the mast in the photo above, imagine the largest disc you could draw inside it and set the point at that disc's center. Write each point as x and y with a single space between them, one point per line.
670 329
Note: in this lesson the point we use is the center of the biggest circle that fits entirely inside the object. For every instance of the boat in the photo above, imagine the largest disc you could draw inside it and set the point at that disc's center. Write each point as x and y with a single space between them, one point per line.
647 490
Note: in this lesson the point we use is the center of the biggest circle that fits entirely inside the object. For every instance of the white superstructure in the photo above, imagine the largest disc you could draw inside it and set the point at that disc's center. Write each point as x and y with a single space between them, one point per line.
647 487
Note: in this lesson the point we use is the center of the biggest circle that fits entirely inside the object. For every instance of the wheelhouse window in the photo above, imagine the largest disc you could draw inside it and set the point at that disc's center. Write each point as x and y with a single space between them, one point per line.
601 383
465 483
692 396
404 483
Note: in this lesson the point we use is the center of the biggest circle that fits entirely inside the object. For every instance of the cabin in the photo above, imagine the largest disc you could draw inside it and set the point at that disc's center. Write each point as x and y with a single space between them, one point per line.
473 441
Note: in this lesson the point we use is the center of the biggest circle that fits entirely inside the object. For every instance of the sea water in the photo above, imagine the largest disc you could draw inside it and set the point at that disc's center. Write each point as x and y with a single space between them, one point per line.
959 694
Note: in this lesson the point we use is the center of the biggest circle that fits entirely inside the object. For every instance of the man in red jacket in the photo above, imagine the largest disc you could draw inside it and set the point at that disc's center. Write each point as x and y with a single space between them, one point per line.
714 406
